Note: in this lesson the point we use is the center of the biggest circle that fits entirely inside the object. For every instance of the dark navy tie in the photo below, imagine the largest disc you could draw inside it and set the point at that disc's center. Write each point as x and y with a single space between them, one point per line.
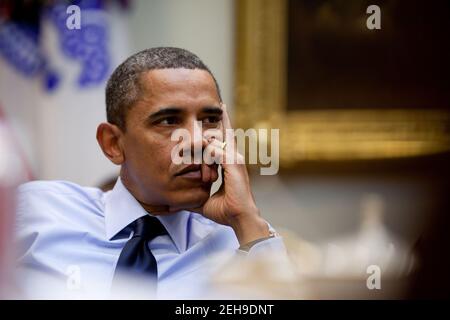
136 258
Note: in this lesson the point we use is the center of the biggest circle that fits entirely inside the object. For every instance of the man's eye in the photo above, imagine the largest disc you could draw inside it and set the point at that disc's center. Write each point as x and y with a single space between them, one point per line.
169 121
212 119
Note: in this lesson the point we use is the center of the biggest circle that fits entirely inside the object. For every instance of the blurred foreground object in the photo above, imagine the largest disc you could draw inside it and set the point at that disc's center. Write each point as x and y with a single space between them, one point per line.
371 264
12 173
372 245
432 279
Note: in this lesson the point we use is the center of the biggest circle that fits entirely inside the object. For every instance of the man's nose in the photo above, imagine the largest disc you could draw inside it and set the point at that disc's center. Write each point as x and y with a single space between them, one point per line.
198 142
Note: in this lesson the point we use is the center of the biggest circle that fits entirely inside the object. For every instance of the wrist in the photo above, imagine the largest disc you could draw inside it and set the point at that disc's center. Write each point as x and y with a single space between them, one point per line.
250 228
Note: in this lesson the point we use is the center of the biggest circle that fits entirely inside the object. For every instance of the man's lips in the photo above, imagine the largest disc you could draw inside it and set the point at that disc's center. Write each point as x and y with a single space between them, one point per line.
192 171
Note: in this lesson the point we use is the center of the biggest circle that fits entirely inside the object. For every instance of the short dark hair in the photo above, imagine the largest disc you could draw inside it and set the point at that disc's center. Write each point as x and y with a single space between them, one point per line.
123 88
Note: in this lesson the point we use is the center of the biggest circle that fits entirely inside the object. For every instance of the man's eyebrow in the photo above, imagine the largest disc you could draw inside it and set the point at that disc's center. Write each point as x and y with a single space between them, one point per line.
169 111
212 109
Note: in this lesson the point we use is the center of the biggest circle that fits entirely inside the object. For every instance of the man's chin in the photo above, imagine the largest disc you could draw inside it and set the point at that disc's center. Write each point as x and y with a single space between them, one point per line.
191 199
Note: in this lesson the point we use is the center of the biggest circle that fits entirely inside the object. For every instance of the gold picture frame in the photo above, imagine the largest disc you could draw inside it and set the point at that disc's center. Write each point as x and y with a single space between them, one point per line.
322 135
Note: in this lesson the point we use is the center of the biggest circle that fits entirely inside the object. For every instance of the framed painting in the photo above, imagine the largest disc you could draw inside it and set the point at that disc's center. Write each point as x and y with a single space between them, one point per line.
338 90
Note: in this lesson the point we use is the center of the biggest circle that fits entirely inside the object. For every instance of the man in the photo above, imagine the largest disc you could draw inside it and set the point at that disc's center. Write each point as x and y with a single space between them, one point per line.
159 221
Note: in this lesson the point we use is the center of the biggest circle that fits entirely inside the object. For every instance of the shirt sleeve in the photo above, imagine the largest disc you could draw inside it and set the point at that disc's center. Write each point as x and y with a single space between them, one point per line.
273 245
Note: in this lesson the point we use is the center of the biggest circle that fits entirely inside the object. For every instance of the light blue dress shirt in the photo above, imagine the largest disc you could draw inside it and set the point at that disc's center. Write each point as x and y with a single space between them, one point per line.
70 238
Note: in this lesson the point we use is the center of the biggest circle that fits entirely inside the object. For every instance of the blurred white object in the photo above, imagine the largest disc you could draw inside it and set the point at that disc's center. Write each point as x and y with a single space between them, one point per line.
370 264
12 173
372 245
271 275
339 269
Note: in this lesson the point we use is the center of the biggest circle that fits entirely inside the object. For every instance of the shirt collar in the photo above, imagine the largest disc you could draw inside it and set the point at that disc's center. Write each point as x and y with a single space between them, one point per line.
121 209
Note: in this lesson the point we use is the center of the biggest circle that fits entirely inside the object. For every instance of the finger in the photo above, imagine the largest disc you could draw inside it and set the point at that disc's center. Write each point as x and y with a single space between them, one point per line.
214 153
228 130
213 134
216 143
209 152
225 117
228 156
214 173
206 173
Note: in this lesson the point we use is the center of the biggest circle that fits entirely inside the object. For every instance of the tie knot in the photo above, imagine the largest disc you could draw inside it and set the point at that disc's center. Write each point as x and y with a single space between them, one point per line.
149 227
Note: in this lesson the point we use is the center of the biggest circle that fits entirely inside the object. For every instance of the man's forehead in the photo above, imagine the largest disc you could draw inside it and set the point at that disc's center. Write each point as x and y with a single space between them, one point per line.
160 80
189 89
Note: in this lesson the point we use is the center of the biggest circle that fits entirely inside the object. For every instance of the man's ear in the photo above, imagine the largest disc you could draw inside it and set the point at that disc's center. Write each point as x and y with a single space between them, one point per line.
109 137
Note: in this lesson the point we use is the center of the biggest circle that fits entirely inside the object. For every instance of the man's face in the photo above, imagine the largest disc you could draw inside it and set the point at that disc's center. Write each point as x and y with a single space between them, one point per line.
171 99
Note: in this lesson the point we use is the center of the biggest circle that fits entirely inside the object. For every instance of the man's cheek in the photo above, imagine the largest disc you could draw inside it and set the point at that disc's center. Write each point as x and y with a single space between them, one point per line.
165 167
